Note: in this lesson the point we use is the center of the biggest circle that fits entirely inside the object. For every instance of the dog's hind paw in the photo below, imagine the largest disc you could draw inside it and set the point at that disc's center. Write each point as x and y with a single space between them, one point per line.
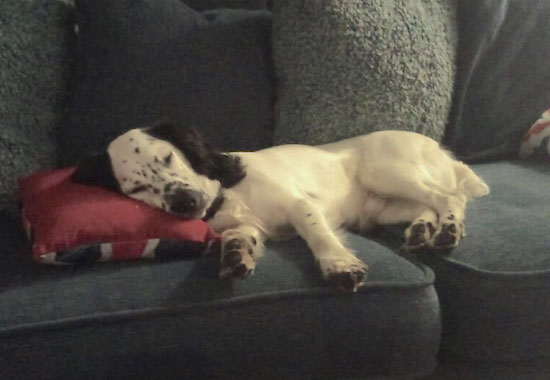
418 236
447 236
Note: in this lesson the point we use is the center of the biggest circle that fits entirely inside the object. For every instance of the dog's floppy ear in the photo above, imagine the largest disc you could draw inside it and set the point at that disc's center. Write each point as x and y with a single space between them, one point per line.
227 169
203 157
96 170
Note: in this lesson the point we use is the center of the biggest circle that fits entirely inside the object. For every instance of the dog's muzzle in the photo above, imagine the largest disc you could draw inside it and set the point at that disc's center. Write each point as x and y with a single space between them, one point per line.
185 202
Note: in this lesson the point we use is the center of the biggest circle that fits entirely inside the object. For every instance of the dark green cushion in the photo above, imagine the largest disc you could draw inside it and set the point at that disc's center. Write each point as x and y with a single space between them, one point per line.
36 56
503 80
494 287
202 5
177 319
145 61
345 68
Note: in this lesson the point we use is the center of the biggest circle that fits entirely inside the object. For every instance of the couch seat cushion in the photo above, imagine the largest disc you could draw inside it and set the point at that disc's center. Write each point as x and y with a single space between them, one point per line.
178 319
494 287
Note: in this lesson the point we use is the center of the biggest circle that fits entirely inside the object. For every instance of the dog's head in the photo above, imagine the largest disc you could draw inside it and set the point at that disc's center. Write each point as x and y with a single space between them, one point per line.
165 166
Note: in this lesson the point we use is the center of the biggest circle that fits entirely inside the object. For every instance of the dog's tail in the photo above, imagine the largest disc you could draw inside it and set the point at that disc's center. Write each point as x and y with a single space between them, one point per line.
469 182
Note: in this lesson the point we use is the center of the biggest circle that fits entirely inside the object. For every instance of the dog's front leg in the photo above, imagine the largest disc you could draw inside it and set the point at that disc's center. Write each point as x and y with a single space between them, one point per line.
241 247
337 263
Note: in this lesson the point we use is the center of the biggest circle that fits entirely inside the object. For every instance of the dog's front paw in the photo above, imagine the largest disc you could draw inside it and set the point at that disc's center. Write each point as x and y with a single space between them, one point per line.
346 274
236 258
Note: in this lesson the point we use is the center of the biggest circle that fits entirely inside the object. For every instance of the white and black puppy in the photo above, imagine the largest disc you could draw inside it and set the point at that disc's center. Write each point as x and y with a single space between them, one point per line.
312 191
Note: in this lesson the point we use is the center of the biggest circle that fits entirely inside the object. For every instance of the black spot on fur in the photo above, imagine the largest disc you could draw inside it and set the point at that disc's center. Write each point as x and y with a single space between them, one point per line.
168 159
136 150
204 158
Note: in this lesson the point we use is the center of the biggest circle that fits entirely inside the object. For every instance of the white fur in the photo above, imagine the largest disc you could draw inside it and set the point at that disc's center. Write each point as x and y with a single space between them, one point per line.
312 191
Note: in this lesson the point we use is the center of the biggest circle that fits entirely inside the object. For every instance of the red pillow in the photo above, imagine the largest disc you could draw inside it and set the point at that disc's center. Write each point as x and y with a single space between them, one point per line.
70 223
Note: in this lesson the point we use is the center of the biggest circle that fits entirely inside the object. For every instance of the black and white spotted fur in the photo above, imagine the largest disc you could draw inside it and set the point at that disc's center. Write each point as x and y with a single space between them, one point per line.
311 191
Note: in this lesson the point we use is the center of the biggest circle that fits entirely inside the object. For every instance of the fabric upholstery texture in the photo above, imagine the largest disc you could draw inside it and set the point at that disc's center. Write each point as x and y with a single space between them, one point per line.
493 286
36 56
202 5
178 319
503 81
145 61
348 67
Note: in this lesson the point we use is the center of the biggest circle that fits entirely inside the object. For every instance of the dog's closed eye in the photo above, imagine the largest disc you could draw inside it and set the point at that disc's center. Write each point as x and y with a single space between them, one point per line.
138 189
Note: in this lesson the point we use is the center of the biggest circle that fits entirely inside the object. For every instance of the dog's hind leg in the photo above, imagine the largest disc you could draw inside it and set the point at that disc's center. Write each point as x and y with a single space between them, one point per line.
241 247
410 182
337 263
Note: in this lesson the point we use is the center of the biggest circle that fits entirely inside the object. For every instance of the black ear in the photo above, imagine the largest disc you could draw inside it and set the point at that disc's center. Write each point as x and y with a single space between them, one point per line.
228 169
96 170
202 156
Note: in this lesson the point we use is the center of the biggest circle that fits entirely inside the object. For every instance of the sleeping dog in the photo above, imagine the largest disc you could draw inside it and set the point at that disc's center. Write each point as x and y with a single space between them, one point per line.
380 178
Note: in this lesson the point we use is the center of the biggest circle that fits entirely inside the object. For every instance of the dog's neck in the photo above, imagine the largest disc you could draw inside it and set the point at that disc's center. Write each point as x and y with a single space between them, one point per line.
214 207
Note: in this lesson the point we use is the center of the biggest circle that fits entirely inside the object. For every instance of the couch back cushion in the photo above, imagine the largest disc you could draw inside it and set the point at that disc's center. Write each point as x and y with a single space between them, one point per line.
36 54
145 61
503 81
348 67
202 5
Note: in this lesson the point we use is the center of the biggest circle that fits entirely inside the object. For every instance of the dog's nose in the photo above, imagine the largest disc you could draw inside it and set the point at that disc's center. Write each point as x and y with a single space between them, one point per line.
186 202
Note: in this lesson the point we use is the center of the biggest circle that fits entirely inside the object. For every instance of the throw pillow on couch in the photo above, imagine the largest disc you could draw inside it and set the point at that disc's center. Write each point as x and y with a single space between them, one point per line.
145 61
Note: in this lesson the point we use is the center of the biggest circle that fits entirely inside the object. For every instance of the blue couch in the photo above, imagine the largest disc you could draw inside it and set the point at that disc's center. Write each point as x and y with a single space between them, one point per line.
480 312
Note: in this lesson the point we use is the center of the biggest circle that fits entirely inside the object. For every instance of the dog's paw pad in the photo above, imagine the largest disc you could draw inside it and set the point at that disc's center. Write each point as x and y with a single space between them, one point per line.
418 235
448 237
346 276
348 281
236 259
